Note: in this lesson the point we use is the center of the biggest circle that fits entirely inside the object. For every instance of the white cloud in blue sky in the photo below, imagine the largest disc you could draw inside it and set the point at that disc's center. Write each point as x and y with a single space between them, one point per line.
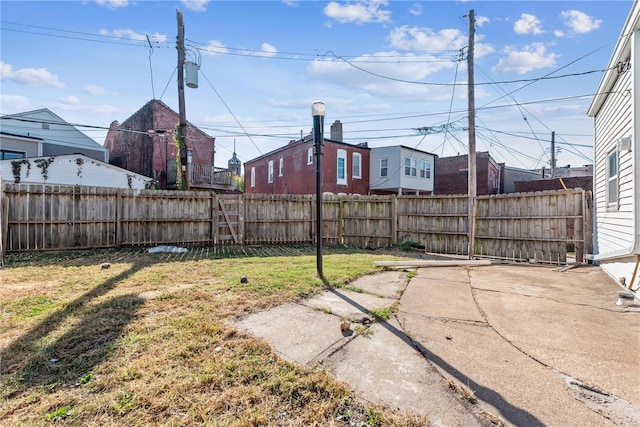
113 4
532 57
29 76
579 22
362 12
528 24
195 5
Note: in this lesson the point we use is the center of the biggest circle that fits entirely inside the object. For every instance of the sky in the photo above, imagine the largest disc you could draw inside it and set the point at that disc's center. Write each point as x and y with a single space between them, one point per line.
393 72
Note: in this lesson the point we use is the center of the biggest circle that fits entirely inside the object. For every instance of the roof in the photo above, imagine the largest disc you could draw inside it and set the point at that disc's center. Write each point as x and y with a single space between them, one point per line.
621 52
407 148
302 141
31 124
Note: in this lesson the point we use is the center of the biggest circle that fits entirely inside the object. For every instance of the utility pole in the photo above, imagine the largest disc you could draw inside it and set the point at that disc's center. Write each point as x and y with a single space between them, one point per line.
553 154
472 138
181 107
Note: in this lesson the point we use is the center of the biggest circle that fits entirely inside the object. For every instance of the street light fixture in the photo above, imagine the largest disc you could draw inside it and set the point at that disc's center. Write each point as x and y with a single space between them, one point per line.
317 111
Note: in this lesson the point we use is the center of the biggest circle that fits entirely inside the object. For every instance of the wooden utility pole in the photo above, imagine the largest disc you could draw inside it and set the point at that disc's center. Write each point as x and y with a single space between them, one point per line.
553 154
181 108
472 138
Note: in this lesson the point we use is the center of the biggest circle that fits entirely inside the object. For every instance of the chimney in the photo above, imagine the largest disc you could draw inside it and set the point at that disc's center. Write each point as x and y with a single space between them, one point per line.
336 131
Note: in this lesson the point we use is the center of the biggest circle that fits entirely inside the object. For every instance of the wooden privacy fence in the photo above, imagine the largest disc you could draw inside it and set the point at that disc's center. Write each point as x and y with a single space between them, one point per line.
540 226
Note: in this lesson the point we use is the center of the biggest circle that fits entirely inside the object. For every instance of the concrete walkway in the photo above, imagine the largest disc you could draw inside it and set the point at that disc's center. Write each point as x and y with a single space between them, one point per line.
519 345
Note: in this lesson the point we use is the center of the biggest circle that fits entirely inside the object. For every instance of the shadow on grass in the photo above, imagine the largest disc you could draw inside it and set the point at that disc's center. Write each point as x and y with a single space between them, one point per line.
31 361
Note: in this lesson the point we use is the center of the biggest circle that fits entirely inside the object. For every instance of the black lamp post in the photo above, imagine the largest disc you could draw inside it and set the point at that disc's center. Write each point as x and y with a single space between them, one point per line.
317 111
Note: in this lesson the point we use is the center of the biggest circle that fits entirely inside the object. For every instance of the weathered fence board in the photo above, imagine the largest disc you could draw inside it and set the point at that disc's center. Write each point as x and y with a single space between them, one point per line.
539 226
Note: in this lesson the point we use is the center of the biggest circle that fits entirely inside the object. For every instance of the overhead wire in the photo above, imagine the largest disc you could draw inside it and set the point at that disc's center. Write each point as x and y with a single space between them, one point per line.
231 112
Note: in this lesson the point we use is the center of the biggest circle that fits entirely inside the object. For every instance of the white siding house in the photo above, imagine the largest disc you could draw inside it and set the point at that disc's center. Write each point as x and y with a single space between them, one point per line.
401 170
72 169
616 120
43 133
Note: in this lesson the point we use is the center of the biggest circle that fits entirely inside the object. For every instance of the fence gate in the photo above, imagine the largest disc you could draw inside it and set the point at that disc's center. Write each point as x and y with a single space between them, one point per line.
227 212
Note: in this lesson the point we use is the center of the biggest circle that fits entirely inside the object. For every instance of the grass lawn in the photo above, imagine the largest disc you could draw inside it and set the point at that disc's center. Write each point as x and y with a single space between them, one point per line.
131 338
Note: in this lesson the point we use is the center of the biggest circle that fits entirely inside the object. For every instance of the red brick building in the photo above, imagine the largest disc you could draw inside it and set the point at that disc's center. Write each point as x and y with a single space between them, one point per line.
452 175
154 153
291 169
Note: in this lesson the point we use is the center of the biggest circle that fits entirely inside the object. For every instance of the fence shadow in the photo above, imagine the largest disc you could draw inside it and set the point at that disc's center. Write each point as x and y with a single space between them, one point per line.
30 361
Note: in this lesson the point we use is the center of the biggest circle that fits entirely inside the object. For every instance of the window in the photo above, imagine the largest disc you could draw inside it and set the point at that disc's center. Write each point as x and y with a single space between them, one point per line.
612 178
356 169
7 154
342 167
310 155
281 167
409 166
383 167
270 177
253 177
425 169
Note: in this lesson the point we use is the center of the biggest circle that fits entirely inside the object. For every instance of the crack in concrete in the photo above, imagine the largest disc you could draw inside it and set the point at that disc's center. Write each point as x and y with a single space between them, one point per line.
614 310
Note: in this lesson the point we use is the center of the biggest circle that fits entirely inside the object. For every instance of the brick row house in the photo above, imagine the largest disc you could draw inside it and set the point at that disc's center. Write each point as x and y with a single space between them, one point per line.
291 169
452 175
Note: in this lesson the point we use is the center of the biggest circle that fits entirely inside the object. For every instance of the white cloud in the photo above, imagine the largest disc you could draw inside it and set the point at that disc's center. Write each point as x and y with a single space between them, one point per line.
113 4
394 65
362 12
29 76
580 22
559 33
102 109
95 90
292 3
11 104
268 50
481 20
416 9
196 5
425 39
133 35
528 24
532 57
213 48
70 100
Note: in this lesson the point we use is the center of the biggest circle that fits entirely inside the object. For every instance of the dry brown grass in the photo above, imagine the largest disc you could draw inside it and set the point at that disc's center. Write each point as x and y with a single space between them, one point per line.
149 341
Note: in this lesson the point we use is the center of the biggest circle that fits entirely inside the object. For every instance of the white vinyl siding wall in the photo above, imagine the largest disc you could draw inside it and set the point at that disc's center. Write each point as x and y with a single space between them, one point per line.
614 121
396 178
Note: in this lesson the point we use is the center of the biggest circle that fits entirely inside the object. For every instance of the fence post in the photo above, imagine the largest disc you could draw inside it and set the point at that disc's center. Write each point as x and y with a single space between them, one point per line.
394 220
214 218
241 216
4 223
118 218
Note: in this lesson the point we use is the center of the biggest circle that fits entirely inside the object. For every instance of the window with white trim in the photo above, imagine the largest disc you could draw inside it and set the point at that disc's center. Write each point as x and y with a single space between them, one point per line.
341 167
612 178
253 177
425 169
281 167
270 177
384 167
410 166
355 165
310 156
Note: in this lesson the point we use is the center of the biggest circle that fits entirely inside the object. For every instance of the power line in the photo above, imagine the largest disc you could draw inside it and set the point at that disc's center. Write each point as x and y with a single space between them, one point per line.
231 112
